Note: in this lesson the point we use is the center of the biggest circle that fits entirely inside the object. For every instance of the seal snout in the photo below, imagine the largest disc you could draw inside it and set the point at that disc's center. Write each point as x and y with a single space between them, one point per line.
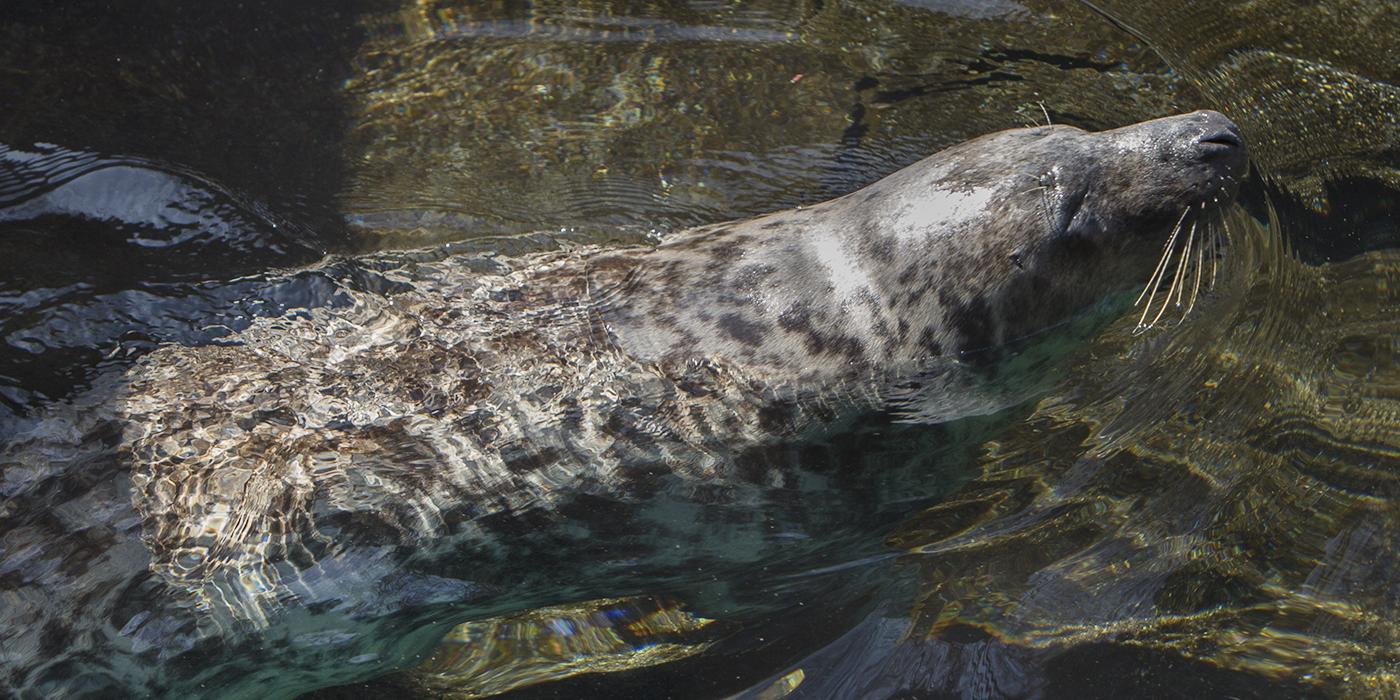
1218 137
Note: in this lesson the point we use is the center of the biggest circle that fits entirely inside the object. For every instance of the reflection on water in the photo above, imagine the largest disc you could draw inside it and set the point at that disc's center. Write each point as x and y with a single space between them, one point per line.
1253 527
157 234
594 113
485 658
1205 510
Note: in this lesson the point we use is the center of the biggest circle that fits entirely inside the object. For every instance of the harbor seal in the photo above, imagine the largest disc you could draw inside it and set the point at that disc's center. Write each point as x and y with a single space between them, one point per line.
271 513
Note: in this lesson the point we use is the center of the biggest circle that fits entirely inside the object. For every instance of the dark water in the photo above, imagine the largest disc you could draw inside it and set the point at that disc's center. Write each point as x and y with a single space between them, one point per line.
1202 511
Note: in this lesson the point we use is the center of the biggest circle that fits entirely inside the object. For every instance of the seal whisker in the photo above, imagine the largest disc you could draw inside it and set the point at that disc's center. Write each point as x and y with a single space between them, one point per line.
1215 260
1154 280
1185 263
1176 279
1154 285
1200 263
1163 260
1214 256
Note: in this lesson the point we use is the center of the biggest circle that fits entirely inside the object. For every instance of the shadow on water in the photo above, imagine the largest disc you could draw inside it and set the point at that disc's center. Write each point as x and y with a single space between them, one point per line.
195 144
248 94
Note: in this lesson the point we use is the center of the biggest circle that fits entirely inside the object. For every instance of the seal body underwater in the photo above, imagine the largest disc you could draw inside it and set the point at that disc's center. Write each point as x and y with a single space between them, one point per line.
213 504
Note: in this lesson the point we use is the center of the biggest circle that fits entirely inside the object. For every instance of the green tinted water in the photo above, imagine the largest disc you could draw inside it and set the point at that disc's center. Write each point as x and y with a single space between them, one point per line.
1201 511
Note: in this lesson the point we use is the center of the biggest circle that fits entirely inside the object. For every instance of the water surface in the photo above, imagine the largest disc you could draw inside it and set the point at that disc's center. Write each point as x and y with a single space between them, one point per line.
1203 510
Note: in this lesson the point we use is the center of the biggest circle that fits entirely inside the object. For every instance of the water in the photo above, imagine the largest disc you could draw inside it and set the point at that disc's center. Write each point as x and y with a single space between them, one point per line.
1201 511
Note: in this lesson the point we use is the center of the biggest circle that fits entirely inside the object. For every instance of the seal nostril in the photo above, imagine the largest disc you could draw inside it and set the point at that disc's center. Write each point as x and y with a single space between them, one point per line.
1221 138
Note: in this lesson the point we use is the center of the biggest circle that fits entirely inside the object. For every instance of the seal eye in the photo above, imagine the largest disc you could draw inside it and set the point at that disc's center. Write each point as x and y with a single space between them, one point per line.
1053 202
1016 260
1061 200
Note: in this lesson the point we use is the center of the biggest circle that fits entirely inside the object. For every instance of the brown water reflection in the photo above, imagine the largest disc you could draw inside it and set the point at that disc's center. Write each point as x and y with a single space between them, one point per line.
1208 510
1253 525
485 658
471 118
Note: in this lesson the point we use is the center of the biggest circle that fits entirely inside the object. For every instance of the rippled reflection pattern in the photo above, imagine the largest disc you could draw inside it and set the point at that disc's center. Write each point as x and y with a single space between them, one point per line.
1197 509
566 114
480 659
1254 526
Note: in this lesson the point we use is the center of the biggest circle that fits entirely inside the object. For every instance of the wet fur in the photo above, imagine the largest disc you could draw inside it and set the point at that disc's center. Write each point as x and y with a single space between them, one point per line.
311 468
